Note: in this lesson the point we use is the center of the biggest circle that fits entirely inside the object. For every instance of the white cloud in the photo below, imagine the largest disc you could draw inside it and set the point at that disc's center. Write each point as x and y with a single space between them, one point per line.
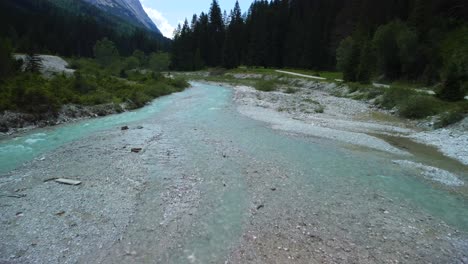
161 22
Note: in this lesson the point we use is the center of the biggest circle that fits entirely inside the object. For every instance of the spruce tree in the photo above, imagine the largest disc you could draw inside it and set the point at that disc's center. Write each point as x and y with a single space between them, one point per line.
233 48
452 88
33 63
6 60
216 35
365 63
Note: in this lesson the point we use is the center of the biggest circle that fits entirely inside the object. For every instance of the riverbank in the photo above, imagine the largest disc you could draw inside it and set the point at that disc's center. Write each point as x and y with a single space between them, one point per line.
15 122
55 94
313 109
213 186
329 105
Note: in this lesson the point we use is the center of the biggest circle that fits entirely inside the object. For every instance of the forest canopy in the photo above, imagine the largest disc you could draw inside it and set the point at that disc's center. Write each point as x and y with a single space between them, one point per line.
406 39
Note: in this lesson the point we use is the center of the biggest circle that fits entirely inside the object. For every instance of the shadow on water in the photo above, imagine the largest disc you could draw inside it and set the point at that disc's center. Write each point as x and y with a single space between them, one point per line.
425 154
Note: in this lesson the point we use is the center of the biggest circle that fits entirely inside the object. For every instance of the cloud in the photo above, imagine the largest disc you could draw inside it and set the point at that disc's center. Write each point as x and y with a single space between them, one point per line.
161 22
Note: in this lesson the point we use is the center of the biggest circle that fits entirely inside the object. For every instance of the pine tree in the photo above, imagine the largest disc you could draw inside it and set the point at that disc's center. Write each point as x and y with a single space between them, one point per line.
348 57
216 35
233 48
106 52
33 63
452 88
6 60
365 64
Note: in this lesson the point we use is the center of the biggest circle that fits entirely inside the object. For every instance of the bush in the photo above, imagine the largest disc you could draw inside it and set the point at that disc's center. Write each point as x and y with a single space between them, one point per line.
180 83
265 86
291 90
91 85
455 79
419 106
448 118
393 96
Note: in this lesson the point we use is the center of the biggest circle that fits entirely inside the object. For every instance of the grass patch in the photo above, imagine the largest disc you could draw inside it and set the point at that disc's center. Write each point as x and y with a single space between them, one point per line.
265 85
310 101
329 75
364 91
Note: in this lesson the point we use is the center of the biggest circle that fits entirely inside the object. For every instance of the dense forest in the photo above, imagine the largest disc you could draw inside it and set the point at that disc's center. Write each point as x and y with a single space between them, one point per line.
70 28
421 40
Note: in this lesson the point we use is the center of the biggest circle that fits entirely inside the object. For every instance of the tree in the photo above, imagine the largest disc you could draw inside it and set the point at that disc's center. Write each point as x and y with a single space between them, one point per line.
159 61
455 83
366 64
6 60
33 63
131 63
232 48
385 42
141 57
348 56
216 35
105 52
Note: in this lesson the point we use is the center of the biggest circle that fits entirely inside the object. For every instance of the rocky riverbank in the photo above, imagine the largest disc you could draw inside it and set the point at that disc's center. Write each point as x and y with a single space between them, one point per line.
312 108
14 122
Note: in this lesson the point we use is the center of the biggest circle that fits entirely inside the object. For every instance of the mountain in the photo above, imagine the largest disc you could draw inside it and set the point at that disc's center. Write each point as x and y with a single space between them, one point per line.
130 10
71 28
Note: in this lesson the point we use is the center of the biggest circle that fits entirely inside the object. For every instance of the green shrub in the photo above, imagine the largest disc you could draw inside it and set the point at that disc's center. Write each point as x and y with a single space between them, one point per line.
138 98
291 90
454 81
394 95
91 85
448 118
319 109
265 85
419 106
178 82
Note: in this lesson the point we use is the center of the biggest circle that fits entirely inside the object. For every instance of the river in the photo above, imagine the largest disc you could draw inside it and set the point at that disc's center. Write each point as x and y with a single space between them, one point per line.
243 192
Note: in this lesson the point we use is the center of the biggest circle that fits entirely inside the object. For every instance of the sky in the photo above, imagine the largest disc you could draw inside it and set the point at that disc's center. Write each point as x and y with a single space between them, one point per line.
167 14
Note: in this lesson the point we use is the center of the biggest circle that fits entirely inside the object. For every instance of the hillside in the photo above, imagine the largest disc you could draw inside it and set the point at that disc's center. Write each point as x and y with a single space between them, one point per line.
129 10
71 28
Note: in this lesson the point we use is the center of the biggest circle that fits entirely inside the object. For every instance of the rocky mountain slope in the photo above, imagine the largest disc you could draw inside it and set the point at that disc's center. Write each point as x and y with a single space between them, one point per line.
130 10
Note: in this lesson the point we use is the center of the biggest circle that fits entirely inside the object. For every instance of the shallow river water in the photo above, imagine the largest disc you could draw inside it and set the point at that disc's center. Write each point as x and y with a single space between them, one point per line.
225 150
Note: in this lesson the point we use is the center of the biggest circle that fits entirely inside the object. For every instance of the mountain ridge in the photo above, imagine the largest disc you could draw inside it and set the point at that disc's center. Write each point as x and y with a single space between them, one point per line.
129 10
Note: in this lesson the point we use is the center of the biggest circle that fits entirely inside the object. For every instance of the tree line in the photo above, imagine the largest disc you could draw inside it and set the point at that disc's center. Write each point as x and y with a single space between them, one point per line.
422 40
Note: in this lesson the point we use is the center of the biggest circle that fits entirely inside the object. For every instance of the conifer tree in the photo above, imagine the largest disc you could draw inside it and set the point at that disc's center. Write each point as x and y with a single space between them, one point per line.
365 63
216 35
232 48
6 59
33 63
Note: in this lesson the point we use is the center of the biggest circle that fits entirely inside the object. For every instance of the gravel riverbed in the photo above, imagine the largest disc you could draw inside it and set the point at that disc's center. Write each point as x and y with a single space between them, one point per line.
212 186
